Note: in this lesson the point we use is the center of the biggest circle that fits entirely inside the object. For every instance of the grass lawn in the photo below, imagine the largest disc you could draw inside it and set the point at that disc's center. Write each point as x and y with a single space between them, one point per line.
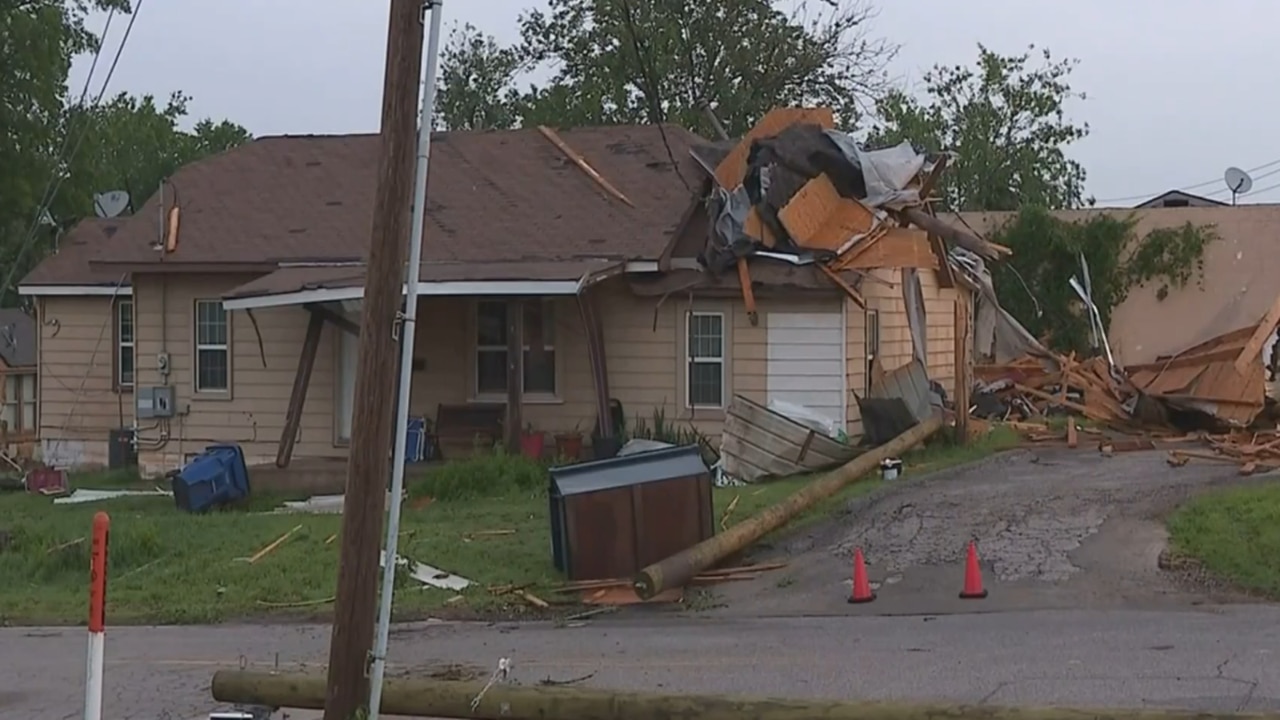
1235 533
484 519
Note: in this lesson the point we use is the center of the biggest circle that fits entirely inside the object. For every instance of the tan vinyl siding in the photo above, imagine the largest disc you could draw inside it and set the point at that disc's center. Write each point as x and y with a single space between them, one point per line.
78 405
883 292
252 412
644 344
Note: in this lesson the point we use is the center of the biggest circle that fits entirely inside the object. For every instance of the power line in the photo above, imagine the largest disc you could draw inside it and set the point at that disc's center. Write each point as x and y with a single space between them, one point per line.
59 175
1147 196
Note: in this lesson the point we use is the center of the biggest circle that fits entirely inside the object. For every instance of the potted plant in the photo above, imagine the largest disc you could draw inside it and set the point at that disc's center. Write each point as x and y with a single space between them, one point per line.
569 444
532 442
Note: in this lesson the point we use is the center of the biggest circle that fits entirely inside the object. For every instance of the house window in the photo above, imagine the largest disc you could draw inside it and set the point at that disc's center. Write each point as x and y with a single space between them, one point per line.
705 349
873 344
491 348
124 343
213 348
19 412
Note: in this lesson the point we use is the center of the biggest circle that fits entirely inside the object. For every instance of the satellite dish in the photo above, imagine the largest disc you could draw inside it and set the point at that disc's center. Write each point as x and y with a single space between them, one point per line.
110 204
1238 182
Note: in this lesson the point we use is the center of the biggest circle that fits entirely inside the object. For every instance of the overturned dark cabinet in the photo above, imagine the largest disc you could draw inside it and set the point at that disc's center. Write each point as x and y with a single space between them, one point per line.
609 518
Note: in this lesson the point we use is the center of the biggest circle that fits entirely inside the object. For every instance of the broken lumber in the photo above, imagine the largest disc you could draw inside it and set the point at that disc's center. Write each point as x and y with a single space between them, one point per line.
680 568
443 698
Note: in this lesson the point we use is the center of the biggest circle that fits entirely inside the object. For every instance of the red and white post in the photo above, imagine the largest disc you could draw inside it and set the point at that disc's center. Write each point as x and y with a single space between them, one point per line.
97 617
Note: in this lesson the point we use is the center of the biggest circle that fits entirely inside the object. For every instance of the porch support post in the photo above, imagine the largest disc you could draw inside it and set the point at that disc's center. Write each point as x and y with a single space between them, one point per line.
339 320
515 373
594 328
964 365
298 397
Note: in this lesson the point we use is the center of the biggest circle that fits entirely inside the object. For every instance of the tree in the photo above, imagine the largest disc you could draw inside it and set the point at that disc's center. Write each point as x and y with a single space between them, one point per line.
131 144
477 82
1005 120
635 61
61 147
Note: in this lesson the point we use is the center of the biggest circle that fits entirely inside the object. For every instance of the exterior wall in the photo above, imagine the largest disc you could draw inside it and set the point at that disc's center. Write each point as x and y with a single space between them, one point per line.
645 350
264 361
883 292
77 402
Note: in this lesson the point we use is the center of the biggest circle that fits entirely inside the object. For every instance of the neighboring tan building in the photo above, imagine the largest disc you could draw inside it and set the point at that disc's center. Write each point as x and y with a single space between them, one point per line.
1241 278
258 272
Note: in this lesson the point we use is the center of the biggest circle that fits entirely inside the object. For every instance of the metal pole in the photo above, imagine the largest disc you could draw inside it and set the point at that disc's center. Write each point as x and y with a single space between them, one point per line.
407 335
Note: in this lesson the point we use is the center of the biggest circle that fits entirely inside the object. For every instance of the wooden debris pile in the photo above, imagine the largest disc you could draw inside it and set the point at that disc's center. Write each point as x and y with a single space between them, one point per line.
1031 387
1250 451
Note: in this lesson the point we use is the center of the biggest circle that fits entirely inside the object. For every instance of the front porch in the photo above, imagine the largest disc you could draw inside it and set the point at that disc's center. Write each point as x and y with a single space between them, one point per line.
486 367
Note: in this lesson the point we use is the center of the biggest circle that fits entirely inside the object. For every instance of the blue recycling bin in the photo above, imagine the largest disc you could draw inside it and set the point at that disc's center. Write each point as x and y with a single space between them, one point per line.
216 477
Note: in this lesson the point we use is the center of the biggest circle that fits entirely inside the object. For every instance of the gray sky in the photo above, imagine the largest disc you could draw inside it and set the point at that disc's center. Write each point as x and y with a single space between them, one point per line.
1176 88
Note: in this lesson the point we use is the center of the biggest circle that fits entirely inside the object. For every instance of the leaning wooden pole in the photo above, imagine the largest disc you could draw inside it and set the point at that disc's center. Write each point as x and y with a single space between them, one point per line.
680 568
443 699
373 422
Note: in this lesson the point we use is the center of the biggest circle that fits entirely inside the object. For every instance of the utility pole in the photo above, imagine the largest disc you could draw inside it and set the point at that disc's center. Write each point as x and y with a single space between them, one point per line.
368 465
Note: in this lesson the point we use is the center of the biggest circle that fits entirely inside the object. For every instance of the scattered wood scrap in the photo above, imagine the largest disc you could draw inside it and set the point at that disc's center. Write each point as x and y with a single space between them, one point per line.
1250 451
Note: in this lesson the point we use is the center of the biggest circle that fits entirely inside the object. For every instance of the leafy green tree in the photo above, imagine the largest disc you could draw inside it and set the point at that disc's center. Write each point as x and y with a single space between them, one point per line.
131 144
61 145
626 61
1005 119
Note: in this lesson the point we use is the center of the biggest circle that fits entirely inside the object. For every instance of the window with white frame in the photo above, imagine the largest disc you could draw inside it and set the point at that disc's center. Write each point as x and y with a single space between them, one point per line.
19 410
124 343
213 347
872 338
705 346
491 348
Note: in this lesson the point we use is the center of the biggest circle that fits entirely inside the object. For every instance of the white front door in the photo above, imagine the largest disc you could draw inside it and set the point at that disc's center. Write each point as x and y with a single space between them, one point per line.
806 363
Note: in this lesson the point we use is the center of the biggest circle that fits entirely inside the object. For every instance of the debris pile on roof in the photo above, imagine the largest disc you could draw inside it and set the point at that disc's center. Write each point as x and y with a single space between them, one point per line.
798 190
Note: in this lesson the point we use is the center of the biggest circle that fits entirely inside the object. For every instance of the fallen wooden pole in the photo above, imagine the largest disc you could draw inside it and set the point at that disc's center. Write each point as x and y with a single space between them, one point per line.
680 568
444 699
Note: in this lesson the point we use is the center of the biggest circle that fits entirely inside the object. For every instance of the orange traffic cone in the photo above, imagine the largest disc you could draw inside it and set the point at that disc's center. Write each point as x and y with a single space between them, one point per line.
861 586
973 589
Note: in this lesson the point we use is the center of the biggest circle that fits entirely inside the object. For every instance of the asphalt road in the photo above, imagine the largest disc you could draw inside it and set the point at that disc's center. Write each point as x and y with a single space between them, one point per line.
1208 659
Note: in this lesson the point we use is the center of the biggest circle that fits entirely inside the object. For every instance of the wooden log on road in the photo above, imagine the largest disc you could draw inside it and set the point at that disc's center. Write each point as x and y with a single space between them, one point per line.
444 699
679 569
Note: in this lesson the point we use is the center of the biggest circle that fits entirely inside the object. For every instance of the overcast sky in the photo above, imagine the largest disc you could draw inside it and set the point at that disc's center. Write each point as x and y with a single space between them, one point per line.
1178 90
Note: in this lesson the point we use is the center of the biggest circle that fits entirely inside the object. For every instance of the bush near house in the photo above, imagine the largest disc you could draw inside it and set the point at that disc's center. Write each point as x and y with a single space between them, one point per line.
484 518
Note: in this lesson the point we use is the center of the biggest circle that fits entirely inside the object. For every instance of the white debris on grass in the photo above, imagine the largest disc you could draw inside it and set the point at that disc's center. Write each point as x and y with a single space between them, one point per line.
84 495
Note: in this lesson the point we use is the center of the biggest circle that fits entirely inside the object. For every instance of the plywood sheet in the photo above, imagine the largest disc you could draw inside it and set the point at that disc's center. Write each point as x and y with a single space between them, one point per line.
898 247
819 218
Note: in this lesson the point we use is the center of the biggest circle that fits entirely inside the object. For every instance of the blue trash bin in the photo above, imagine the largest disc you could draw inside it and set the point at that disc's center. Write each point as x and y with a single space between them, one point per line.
216 477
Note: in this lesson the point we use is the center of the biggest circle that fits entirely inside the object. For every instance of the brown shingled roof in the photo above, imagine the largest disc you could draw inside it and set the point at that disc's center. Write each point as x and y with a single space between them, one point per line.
89 238
494 196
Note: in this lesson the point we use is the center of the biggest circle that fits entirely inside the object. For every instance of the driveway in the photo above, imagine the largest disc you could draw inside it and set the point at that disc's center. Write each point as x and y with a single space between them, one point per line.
1056 528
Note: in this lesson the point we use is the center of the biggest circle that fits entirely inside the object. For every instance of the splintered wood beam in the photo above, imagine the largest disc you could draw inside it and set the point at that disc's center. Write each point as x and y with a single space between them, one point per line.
748 293
298 396
341 321
1259 338
848 289
582 164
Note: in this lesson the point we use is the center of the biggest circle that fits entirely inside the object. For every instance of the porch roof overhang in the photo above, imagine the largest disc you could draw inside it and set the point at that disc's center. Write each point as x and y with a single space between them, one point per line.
321 283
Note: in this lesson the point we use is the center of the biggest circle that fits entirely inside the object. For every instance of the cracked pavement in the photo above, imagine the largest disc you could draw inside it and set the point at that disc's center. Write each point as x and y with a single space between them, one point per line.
1207 659
1056 528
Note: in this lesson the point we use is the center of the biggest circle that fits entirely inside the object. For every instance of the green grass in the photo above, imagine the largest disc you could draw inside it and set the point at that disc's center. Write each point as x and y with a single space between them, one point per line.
1235 534
484 519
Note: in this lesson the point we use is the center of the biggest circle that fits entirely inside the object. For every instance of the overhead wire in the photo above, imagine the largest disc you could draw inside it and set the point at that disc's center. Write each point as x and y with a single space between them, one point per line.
63 159
1206 183
651 90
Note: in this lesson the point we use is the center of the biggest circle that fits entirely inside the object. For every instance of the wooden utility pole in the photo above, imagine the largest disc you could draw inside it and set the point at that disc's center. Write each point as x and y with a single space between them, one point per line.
372 423
964 364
